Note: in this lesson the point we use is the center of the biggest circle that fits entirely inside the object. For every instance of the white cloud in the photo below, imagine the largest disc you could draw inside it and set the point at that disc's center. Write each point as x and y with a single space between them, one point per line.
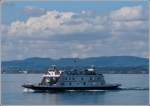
49 23
56 23
30 10
77 34
127 13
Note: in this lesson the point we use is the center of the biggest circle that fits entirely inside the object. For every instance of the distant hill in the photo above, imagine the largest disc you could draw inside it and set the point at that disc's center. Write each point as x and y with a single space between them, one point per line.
37 64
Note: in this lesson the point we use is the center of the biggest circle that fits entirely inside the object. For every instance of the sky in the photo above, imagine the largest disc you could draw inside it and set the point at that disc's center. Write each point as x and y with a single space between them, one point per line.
63 29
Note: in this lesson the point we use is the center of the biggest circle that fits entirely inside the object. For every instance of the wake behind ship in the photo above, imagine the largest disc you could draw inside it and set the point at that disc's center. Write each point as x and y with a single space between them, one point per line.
58 80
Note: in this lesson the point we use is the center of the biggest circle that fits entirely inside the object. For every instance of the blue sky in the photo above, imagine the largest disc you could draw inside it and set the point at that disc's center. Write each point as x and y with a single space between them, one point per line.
74 29
15 8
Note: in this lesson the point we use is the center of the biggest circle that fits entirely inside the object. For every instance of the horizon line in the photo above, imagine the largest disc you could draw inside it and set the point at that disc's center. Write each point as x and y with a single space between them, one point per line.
74 57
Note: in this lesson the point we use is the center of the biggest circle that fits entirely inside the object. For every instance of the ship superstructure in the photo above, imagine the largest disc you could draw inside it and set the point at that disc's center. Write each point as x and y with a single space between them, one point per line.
59 80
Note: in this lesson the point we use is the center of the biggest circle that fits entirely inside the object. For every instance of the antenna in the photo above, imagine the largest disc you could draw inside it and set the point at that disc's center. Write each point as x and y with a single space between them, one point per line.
75 62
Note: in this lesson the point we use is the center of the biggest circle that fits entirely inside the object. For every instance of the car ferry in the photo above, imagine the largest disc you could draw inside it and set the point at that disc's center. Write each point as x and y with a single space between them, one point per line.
59 80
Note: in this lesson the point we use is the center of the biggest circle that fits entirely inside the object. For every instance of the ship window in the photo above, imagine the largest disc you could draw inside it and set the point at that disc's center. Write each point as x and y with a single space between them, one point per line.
70 83
82 79
90 78
62 84
73 78
84 83
66 78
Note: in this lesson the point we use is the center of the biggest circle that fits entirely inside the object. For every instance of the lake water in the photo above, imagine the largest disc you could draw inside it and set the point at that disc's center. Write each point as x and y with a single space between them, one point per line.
135 92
